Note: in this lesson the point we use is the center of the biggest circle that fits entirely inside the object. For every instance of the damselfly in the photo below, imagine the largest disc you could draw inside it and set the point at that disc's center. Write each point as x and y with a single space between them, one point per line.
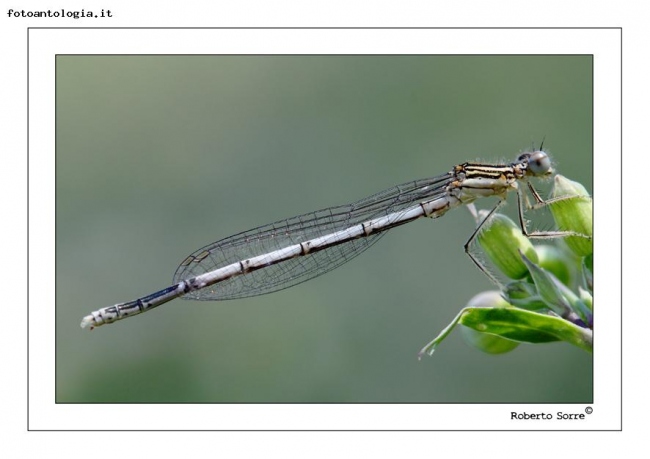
285 253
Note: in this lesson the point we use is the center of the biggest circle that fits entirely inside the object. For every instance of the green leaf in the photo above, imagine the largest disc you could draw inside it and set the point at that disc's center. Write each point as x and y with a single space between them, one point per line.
431 346
558 296
487 342
562 263
548 289
524 295
525 326
573 214
501 240
587 272
516 325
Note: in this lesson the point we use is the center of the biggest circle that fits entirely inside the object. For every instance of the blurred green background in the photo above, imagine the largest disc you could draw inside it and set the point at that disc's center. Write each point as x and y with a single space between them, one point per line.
157 156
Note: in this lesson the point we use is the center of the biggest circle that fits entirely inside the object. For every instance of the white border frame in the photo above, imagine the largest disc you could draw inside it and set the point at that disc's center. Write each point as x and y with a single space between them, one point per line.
44 44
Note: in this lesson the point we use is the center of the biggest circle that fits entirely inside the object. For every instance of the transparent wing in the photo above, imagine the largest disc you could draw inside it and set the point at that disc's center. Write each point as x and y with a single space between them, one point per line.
295 230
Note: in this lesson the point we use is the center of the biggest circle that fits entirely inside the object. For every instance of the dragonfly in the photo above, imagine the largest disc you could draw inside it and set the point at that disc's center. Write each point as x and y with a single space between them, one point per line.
290 251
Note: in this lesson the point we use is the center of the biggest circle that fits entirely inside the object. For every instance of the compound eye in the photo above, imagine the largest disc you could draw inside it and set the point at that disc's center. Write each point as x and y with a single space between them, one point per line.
539 163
